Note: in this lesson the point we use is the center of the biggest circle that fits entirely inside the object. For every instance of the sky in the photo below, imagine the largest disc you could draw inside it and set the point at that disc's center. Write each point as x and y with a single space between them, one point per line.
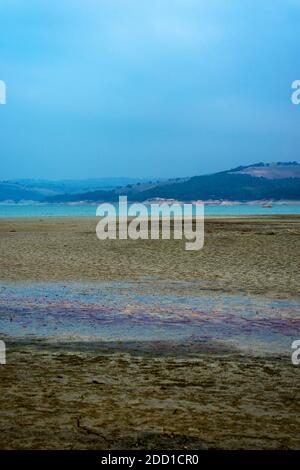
140 88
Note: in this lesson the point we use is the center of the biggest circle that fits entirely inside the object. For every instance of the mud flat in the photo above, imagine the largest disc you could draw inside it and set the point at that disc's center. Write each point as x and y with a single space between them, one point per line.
143 396
202 358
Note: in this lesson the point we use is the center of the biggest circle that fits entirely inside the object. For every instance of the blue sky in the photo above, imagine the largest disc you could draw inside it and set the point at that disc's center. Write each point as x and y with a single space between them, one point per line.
144 88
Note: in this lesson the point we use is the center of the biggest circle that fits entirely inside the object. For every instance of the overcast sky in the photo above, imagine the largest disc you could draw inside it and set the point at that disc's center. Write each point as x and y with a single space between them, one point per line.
147 88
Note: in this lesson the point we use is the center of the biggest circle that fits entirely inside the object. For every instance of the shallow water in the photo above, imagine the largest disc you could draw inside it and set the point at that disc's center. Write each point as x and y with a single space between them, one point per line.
89 210
147 311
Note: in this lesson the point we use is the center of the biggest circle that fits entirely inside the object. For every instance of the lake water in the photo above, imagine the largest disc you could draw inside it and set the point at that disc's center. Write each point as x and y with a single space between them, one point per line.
79 210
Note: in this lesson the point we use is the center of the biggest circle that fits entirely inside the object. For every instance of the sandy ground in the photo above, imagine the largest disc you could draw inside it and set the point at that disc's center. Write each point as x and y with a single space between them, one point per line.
150 396
260 256
136 399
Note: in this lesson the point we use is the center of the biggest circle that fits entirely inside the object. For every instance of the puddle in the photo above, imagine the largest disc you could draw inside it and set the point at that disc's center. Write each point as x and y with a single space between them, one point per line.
149 311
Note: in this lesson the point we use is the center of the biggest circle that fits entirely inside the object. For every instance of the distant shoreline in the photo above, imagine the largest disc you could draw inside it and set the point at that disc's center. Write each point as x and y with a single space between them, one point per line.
209 202
84 210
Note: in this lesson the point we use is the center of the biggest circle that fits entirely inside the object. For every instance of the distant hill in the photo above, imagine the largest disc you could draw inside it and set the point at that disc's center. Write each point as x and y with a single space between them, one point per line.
40 190
17 193
260 181
93 196
226 186
75 186
271 170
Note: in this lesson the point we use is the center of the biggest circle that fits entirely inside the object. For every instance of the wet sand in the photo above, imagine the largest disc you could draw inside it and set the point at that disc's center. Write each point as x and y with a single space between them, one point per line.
159 394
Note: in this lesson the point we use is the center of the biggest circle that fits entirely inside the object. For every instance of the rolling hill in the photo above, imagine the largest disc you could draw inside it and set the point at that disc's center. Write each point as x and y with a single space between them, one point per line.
16 192
278 181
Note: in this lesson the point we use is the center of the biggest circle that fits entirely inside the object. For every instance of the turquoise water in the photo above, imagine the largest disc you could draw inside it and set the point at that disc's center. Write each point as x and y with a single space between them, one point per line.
67 210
